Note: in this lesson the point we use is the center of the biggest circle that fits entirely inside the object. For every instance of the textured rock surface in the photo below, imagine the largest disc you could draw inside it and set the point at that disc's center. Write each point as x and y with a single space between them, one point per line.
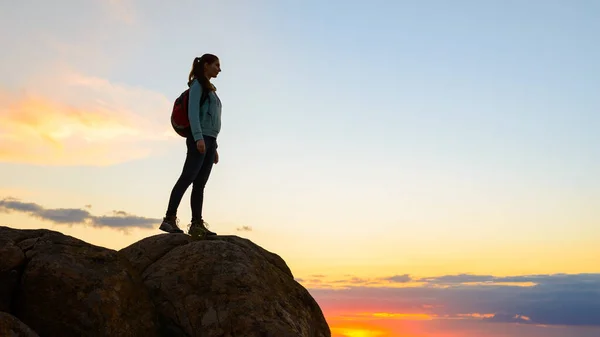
11 326
12 259
165 285
226 286
62 286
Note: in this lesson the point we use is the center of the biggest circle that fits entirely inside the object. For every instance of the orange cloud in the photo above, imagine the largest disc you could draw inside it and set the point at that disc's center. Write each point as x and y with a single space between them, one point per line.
82 121
409 316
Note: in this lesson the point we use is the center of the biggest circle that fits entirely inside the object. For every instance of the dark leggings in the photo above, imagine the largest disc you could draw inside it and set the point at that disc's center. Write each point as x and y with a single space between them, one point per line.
196 171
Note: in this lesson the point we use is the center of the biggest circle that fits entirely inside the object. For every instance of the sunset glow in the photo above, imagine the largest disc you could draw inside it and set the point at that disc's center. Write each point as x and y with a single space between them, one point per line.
424 168
357 329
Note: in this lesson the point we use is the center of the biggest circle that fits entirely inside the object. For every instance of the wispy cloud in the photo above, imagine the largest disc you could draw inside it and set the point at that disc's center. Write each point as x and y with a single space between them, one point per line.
322 281
557 299
244 229
72 216
507 318
399 278
457 279
82 120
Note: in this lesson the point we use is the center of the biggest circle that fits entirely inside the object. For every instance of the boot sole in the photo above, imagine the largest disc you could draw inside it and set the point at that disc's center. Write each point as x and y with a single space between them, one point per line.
170 231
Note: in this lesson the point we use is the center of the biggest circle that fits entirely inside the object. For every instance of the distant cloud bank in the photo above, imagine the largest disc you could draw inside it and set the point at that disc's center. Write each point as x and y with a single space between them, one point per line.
555 299
72 216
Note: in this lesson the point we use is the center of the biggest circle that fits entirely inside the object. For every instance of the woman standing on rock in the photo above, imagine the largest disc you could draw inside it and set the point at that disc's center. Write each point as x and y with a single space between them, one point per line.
205 124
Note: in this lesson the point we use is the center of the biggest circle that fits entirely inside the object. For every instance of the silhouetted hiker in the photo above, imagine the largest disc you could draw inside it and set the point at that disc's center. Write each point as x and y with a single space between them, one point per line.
204 112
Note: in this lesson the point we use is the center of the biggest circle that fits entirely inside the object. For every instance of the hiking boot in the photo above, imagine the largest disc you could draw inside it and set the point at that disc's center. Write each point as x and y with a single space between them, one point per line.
198 228
169 225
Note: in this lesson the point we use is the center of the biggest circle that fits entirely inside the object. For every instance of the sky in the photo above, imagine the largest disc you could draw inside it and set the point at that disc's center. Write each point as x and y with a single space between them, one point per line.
425 168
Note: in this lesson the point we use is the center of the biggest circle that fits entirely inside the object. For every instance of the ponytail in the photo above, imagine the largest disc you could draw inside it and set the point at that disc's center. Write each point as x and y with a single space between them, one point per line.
197 72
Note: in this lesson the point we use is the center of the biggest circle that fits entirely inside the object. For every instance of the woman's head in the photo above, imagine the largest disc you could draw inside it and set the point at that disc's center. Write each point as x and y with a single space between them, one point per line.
204 68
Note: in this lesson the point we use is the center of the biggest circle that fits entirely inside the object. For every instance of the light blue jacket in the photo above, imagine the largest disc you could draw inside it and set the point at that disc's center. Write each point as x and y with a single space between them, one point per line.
205 120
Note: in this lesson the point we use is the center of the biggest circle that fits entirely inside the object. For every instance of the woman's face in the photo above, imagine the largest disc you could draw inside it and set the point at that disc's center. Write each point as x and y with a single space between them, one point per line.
212 69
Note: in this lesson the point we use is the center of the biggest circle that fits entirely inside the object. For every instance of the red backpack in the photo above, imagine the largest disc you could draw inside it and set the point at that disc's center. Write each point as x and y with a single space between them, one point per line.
179 116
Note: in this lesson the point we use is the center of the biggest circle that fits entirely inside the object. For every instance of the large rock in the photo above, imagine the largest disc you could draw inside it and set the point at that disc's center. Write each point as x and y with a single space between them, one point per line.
62 286
10 326
168 285
226 286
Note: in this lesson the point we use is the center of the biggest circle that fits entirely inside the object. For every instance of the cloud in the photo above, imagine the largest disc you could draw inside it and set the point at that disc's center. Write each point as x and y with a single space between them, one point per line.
399 278
508 318
244 229
81 120
351 281
457 279
526 280
72 216
313 281
321 281
556 299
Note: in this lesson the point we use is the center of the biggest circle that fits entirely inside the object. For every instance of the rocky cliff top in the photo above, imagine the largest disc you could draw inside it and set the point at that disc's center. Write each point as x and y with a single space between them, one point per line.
52 284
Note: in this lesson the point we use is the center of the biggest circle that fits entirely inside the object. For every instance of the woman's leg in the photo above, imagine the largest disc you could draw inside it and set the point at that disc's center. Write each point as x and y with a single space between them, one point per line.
191 168
197 198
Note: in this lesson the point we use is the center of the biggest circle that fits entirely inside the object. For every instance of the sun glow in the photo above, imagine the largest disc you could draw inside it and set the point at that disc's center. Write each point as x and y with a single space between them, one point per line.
357 332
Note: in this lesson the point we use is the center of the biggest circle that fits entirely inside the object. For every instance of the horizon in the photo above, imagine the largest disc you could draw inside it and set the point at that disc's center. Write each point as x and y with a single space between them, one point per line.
425 169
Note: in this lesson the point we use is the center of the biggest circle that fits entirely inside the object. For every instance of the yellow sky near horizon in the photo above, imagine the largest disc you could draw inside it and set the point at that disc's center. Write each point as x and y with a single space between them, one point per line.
370 259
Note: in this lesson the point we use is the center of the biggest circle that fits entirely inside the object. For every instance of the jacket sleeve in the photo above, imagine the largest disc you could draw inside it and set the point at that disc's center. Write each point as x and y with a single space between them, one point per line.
194 110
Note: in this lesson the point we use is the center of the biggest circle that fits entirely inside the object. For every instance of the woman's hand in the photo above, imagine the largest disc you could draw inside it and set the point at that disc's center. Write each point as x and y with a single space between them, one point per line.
201 146
216 157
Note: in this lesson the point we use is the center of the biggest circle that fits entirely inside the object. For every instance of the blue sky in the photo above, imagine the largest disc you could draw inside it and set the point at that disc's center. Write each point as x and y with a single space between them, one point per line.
422 138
